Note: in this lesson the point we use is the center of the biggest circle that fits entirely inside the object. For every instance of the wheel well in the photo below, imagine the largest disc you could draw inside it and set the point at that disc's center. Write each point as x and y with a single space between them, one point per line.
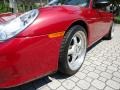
82 23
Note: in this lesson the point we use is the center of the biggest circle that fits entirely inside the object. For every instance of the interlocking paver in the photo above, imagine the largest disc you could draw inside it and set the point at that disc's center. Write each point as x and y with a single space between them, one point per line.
116 79
104 65
87 63
76 88
75 79
42 88
113 84
112 68
61 88
89 79
109 71
116 62
98 84
89 68
106 75
54 84
101 70
93 75
80 75
85 71
108 88
83 84
68 84
116 74
106 62
96 62
92 88
97 71
102 79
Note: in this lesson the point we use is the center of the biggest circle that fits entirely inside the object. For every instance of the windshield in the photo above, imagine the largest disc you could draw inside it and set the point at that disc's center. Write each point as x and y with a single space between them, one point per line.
26 5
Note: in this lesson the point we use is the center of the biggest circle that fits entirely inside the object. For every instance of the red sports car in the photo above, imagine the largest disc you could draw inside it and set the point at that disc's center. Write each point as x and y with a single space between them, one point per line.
54 37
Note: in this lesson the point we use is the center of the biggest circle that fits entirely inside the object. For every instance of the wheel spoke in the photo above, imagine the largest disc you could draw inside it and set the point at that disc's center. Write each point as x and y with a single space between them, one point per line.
80 52
76 50
80 43
80 47
75 40
70 51
74 56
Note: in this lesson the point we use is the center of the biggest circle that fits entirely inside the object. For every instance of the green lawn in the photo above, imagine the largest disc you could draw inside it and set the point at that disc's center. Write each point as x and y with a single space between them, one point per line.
3 8
21 8
117 19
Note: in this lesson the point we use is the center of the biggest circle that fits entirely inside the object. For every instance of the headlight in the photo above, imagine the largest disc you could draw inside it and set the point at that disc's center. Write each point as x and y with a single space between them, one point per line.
17 25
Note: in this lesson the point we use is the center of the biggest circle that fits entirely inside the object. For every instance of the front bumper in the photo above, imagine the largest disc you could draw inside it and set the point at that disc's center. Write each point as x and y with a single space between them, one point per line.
27 58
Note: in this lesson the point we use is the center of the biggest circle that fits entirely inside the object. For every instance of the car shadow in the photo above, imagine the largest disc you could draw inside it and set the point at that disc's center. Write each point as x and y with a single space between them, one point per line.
39 82
91 47
34 85
45 80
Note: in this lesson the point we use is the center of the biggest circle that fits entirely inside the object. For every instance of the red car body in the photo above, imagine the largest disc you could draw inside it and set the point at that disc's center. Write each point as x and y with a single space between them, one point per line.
34 52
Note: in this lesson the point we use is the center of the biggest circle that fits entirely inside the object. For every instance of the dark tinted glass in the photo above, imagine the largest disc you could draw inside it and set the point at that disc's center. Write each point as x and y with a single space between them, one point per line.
83 3
77 2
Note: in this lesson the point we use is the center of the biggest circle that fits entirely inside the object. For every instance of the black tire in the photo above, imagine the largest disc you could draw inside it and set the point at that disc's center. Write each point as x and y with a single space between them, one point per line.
110 35
63 62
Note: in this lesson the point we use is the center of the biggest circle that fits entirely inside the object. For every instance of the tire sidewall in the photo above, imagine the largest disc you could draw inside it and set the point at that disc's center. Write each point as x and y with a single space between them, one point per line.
67 40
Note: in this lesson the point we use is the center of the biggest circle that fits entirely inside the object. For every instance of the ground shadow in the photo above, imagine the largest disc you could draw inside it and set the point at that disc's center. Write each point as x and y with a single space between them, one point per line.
91 47
39 83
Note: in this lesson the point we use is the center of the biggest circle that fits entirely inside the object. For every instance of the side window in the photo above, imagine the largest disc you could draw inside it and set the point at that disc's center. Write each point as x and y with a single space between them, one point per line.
104 8
77 2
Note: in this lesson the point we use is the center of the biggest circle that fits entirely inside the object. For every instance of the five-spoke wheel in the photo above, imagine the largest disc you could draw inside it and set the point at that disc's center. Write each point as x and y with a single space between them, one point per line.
73 50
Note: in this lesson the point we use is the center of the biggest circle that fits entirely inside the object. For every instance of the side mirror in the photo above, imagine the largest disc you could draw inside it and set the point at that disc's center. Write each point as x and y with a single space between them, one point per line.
101 3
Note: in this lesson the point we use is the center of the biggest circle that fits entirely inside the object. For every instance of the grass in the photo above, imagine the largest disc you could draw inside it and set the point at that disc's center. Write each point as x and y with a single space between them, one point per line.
117 19
3 8
21 8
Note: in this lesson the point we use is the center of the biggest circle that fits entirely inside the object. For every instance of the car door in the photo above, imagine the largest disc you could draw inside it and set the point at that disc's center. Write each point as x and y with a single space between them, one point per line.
90 15
94 21
93 17
102 23
105 20
100 17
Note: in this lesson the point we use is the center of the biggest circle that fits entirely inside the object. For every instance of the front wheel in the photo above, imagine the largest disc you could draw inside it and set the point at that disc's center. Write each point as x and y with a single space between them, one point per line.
73 50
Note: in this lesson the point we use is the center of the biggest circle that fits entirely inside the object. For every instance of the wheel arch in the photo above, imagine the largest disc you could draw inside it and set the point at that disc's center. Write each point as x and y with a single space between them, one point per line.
83 24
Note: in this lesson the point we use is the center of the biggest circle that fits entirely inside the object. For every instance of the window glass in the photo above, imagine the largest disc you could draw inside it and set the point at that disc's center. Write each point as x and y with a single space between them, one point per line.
83 3
77 2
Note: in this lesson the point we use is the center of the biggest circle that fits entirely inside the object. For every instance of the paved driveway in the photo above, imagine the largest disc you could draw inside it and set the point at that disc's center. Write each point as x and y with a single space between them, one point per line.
101 70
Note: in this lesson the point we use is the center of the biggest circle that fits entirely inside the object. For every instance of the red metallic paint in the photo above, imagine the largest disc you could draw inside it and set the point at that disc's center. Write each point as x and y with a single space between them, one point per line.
32 54
26 58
